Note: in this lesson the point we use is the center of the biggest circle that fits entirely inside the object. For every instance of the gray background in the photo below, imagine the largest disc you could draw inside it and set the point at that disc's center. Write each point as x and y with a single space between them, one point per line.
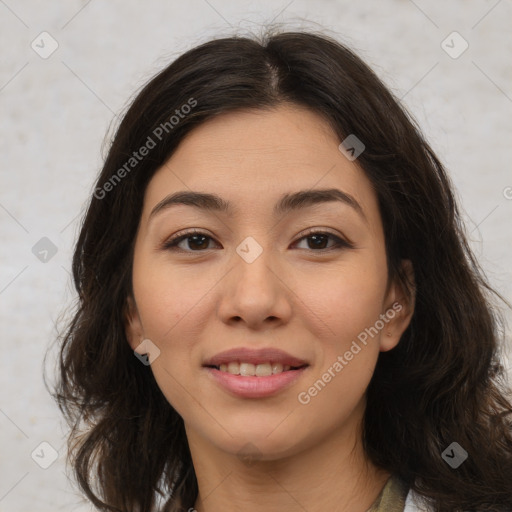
55 113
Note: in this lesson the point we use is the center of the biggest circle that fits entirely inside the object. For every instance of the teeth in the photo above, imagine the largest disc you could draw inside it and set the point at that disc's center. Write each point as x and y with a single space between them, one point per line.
277 368
234 368
249 369
263 370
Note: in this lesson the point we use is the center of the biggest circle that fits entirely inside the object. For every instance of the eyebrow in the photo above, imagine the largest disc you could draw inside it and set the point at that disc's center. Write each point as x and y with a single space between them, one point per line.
287 203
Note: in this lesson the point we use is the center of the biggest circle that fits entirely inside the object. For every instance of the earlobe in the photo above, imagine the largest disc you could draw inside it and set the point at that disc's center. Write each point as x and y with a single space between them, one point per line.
133 326
399 310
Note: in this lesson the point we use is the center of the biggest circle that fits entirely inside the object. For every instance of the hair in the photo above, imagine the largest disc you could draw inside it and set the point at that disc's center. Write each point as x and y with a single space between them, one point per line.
442 383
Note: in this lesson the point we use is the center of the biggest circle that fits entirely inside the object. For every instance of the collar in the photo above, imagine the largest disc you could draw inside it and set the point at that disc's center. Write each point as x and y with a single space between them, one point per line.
392 496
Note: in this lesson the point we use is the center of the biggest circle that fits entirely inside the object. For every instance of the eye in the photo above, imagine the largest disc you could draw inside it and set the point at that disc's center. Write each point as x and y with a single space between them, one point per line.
319 238
194 238
197 241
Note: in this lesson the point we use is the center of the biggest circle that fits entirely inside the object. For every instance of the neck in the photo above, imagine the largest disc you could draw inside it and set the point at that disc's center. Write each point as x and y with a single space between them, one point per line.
332 475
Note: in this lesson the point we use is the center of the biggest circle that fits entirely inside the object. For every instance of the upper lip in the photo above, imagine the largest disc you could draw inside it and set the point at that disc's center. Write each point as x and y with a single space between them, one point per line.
254 356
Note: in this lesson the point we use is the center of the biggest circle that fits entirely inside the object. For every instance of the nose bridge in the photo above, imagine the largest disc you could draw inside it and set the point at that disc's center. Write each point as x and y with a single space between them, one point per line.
255 262
254 291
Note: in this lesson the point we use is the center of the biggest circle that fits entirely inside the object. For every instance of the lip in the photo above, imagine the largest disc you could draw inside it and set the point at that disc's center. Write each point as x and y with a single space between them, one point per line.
255 356
255 387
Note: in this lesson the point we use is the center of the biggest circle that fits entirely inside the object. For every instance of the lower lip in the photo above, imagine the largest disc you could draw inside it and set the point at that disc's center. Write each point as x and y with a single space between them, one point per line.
255 387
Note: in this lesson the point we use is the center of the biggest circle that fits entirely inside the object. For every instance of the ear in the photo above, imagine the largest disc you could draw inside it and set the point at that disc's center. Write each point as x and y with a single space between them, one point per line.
399 308
133 325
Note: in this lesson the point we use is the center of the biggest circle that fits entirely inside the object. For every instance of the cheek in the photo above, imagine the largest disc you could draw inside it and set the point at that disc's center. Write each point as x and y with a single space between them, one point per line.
346 304
172 304
170 300
346 300
349 305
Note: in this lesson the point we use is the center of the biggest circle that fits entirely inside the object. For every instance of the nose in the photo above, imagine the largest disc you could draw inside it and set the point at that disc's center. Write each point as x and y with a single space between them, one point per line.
255 293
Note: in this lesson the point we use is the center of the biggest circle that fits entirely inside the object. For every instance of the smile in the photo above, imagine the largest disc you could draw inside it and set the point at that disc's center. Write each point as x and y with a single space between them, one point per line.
250 385
251 370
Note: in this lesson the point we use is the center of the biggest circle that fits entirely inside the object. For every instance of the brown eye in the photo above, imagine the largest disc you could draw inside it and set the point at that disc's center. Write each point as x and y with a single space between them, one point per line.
319 239
196 241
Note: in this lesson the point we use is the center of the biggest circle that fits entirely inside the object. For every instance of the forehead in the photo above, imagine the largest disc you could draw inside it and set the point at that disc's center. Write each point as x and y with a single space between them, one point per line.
254 157
259 142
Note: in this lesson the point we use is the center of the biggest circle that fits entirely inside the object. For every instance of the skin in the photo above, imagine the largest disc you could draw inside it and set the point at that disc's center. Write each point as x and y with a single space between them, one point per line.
311 302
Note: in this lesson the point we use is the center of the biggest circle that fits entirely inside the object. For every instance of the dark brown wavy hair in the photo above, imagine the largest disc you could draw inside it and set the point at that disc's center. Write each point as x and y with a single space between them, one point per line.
442 383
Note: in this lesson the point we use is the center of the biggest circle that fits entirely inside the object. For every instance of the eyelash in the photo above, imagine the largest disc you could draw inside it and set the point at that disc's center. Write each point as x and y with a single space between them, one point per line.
172 243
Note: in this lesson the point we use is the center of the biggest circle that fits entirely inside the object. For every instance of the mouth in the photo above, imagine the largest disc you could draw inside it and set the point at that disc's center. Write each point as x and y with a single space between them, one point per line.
255 373
246 369
250 362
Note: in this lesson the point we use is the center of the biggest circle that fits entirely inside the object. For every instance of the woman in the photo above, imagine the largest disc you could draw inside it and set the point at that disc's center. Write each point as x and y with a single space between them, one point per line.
277 244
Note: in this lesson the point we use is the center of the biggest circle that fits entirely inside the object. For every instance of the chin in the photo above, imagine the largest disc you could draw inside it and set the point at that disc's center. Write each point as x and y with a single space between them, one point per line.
254 442
261 449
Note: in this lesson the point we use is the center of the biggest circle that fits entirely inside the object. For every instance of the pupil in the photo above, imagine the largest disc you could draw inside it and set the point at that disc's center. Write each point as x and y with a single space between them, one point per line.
318 238
195 237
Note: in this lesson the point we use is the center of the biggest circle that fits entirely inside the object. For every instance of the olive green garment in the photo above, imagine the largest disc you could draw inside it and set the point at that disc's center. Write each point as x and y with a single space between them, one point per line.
392 497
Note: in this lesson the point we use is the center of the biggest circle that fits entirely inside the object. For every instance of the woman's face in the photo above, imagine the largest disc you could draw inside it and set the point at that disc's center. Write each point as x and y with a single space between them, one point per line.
257 279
